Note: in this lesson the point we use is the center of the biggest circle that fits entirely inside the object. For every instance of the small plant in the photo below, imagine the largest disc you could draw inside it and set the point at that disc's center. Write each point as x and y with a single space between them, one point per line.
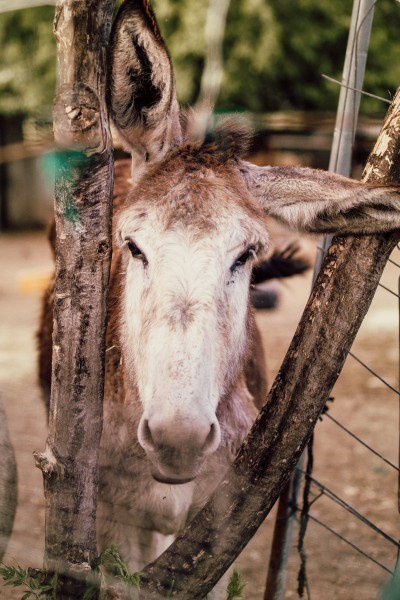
111 560
236 586
32 579
37 587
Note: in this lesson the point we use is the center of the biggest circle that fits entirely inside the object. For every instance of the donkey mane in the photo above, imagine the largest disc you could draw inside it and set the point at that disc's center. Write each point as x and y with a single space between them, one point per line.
229 140
217 148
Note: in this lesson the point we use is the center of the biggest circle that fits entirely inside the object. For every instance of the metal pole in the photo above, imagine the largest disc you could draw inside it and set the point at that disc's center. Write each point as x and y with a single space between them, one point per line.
340 162
353 78
349 98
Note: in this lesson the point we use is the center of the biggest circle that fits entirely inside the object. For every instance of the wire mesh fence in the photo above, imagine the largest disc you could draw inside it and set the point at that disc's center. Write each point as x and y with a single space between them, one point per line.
373 371
364 502
361 501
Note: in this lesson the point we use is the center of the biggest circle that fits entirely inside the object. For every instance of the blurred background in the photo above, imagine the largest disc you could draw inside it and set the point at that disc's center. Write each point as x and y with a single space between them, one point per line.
269 64
274 54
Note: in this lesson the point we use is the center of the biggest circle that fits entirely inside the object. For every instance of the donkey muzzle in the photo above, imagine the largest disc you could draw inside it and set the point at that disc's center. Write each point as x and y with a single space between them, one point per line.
177 447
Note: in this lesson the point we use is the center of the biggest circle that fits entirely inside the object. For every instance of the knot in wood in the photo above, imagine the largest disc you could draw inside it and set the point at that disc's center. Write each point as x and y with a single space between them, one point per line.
81 117
77 118
47 463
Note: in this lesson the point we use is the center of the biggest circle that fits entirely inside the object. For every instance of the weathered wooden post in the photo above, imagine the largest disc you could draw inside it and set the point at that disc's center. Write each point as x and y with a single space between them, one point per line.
84 183
341 297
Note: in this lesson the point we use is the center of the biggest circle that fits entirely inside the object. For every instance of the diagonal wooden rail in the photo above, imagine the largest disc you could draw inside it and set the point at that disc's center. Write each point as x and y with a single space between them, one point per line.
340 299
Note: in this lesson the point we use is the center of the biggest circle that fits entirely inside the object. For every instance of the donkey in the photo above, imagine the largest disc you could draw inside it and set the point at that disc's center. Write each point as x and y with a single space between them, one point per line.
184 364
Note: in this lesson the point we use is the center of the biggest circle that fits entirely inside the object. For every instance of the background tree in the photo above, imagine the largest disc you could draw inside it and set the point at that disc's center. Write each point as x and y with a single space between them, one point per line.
274 52
249 47
27 61
312 40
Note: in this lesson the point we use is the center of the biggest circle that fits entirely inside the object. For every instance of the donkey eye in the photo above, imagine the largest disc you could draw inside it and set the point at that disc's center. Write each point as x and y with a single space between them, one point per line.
241 260
136 251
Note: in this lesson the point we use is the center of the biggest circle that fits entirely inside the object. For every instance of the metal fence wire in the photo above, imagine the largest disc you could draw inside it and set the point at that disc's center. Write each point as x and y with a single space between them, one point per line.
317 501
314 489
343 501
311 501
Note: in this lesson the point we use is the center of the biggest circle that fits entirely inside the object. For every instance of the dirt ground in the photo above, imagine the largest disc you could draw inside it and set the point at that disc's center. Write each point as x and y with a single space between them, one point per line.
362 403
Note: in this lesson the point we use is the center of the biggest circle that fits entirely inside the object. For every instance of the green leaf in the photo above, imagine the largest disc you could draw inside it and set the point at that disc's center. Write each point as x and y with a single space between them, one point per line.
113 562
236 586
29 578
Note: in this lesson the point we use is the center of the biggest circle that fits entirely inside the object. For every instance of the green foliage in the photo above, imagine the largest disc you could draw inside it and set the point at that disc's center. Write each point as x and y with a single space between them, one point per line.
34 580
312 41
27 578
249 45
383 67
274 54
235 586
182 25
111 560
27 60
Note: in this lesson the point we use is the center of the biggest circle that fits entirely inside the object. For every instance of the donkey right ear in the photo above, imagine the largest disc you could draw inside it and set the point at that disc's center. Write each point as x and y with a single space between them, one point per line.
314 201
141 84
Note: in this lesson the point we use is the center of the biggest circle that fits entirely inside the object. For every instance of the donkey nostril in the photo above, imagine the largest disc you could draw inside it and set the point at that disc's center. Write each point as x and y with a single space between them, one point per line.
213 439
144 435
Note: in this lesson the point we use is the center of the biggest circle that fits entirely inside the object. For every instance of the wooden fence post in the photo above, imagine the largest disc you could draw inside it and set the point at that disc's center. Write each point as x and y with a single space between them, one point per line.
83 200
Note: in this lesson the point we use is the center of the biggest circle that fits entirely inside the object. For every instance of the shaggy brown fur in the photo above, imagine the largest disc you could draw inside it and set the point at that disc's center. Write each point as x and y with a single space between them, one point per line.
255 366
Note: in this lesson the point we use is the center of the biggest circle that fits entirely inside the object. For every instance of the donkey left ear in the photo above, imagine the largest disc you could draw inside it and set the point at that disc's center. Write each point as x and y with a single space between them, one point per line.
315 201
141 90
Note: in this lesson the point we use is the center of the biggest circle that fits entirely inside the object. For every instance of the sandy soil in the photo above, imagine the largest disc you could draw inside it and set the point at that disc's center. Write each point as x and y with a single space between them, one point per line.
362 403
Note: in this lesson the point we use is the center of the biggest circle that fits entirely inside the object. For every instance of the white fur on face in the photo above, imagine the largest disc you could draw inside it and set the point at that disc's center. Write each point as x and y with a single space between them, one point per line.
184 320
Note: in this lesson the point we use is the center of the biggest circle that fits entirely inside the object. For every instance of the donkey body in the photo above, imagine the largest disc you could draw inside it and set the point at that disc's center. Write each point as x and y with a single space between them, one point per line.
184 362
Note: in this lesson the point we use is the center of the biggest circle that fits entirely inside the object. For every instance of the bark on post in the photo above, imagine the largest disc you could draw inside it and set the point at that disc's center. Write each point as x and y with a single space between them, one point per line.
84 183
340 299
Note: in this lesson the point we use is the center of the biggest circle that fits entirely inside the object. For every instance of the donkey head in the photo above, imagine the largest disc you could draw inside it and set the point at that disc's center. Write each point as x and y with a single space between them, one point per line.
189 231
